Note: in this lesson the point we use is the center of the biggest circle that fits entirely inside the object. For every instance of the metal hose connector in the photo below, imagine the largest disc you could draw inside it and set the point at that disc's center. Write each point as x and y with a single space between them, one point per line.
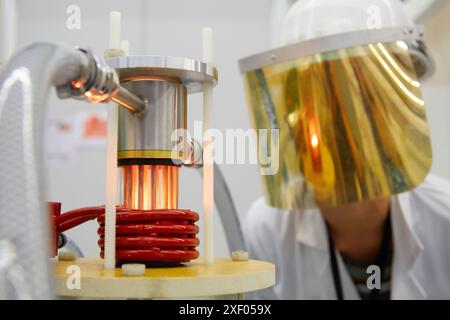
96 82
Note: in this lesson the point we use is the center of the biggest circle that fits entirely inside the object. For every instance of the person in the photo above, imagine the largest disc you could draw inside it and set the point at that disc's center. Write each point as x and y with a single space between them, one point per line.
418 255
352 212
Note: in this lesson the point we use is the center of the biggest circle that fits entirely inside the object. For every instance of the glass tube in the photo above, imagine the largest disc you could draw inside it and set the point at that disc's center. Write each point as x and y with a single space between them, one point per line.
147 187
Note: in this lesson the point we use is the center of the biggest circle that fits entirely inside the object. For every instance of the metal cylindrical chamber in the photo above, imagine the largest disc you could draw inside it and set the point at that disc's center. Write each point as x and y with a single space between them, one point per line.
164 82
157 132
149 142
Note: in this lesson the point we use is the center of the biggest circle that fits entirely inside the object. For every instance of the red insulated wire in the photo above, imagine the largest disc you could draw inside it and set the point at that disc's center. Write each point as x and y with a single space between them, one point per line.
150 242
155 255
72 223
148 229
77 213
124 215
162 235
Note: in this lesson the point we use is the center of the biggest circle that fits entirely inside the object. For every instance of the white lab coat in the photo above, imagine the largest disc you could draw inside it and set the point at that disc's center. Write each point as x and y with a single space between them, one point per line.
296 242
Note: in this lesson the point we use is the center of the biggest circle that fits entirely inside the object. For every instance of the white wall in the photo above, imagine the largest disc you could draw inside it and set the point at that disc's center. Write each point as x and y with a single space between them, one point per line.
165 27
437 89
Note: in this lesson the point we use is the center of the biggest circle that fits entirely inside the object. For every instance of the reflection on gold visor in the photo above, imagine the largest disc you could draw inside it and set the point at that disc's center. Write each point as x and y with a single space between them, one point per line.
351 122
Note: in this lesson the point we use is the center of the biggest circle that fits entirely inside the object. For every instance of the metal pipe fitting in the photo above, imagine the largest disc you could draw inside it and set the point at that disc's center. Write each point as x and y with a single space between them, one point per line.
91 80
193 156
129 100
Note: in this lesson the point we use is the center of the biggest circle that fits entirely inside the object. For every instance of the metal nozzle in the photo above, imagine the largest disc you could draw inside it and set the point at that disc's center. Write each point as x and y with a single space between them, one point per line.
129 100
96 83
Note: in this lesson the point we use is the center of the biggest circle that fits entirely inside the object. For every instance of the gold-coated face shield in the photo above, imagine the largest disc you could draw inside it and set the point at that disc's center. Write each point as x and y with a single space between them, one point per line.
351 120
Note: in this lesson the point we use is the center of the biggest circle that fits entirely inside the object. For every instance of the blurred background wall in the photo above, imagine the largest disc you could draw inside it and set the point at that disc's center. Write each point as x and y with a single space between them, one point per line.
173 27
437 89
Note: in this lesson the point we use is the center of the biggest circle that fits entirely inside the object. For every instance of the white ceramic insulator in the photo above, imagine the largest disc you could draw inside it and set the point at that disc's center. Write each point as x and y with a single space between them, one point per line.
239 255
207 45
66 256
8 29
111 158
125 46
133 269
208 160
115 21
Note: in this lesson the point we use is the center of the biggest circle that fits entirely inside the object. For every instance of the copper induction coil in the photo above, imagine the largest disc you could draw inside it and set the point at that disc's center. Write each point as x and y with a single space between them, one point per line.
149 187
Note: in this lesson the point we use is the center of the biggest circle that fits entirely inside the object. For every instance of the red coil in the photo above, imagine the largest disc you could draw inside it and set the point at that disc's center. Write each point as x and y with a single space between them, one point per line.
146 236
161 235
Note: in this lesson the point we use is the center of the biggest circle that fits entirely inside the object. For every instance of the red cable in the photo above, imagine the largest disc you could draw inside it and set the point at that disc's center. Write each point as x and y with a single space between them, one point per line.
149 229
162 235
88 211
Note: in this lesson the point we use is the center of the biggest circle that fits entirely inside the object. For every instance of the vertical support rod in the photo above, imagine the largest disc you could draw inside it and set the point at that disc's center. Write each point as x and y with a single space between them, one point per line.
111 159
208 157
8 29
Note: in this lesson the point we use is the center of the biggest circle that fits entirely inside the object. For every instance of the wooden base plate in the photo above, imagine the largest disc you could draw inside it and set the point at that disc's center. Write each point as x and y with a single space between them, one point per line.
224 277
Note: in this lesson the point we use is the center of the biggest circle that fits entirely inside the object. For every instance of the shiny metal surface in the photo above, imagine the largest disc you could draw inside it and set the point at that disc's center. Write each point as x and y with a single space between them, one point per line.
191 73
129 100
329 43
352 125
83 76
149 135
164 83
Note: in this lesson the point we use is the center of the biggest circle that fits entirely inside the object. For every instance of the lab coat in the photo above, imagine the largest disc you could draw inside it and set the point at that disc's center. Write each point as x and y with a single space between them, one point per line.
296 242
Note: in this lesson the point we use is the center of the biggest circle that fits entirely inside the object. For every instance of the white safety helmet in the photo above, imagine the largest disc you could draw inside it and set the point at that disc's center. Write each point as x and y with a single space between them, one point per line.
312 19
309 19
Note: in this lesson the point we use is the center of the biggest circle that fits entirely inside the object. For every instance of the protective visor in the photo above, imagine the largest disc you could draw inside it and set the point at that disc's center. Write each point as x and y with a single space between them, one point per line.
349 113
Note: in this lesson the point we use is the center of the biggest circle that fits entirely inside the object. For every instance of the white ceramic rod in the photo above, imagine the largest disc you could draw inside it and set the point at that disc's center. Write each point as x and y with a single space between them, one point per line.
115 24
208 159
125 46
8 29
111 159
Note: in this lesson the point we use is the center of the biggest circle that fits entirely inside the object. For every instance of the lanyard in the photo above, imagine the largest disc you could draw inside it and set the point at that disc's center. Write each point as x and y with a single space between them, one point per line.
381 261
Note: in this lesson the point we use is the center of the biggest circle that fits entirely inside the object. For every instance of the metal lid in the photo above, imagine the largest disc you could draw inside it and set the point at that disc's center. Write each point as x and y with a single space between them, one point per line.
191 73
329 43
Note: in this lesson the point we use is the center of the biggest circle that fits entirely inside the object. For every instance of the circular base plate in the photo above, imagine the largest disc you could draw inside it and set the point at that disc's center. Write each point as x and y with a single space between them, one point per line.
224 277
192 73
